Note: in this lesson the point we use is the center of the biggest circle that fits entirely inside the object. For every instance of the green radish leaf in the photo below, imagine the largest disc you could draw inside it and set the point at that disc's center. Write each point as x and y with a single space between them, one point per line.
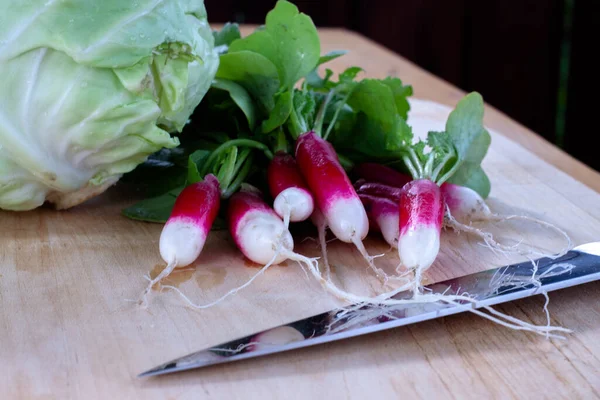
289 40
349 75
240 96
473 177
470 138
401 93
254 72
346 79
314 81
377 131
280 114
332 55
195 163
366 139
158 209
154 209
375 99
304 110
228 34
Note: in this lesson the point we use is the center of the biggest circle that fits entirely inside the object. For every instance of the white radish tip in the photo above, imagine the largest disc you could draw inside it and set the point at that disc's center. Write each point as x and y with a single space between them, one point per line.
298 201
419 248
465 204
347 219
182 240
390 228
258 237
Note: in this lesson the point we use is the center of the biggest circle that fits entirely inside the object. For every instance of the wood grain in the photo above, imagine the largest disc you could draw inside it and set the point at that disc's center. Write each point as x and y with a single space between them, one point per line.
68 330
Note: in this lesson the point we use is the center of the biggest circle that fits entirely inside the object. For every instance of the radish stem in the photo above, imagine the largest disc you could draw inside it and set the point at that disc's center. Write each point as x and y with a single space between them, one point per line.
241 177
336 115
318 125
417 163
429 166
165 272
411 168
440 167
231 143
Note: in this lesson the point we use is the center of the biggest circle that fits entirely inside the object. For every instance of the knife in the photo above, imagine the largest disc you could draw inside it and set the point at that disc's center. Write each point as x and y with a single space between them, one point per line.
579 265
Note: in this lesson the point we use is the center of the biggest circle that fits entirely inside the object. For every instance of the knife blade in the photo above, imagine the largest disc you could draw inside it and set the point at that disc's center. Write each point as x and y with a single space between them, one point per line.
578 266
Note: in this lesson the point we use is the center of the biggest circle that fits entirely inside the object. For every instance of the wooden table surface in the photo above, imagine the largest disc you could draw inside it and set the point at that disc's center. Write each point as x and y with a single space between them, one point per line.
67 332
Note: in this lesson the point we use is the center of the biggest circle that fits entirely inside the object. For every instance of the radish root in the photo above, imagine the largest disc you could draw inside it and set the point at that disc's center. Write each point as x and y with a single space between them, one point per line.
385 278
231 292
143 302
489 240
323 243
386 301
500 218
279 250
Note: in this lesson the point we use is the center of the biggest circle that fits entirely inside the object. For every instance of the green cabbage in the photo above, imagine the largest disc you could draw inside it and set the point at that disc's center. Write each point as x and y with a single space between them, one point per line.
89 89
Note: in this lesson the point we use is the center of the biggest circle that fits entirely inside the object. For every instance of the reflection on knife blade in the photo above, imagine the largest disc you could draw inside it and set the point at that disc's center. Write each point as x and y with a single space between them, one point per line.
486 288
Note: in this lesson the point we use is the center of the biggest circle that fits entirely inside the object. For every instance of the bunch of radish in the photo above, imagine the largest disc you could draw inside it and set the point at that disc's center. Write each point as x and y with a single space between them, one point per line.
306 180
379 185
278 144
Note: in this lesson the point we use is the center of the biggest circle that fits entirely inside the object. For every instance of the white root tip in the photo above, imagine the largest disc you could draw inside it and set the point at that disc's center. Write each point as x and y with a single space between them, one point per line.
229 293
143 302
281 253
378 271
561 232
321 228
493 245
295 201
386 302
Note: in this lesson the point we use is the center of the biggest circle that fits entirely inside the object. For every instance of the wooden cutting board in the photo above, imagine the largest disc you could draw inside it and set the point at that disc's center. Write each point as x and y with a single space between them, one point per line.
69 331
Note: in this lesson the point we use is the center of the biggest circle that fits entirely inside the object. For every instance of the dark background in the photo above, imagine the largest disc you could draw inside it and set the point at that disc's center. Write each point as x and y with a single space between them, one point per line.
531 59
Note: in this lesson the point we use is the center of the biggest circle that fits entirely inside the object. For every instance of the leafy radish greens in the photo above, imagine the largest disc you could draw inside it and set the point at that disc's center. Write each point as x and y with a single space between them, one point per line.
269 89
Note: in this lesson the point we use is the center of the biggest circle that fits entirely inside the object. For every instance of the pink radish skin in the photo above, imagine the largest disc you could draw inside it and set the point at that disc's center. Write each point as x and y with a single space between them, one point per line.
293 200
373 172
256 228
378 190
260 235
334 194
194 212
385 215
465 204
420 224
367 201
184 234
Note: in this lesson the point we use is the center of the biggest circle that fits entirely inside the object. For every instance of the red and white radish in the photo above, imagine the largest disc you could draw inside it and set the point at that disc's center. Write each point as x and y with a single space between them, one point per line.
374 172
464 206
184 234
256 229
293 201
333 192
385 216
259 234
378 189
420 224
